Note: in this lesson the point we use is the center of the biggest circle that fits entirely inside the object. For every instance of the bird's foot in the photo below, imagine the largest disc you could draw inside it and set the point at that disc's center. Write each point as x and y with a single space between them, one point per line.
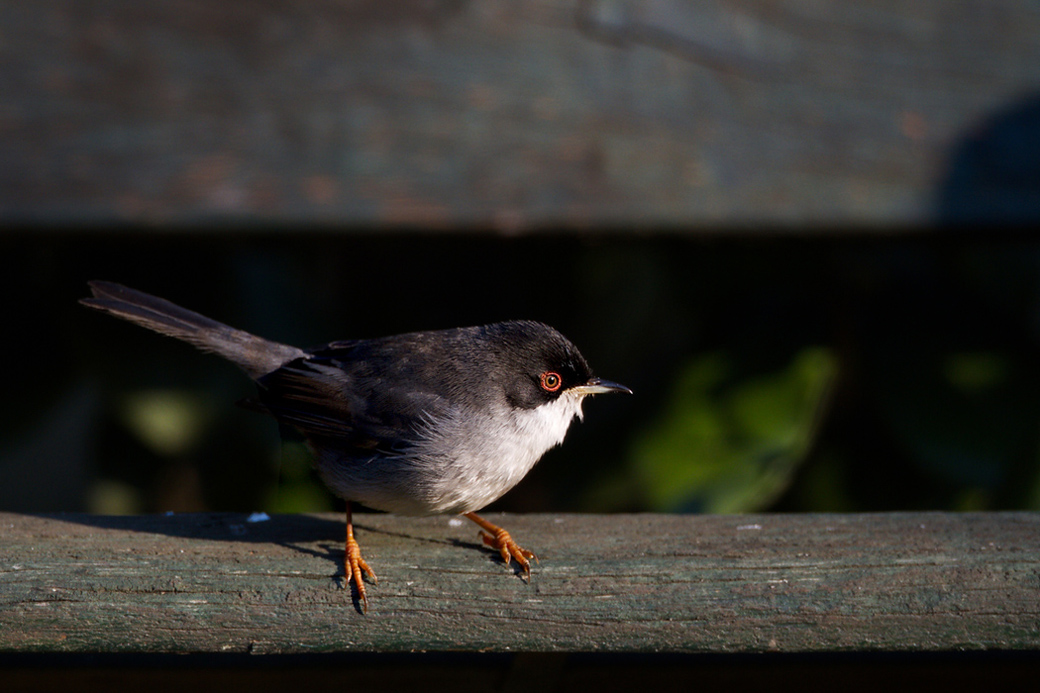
354 566
499 539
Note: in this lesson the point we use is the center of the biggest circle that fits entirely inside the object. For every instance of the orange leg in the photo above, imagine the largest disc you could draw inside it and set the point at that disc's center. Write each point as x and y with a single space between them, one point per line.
354 565
497 538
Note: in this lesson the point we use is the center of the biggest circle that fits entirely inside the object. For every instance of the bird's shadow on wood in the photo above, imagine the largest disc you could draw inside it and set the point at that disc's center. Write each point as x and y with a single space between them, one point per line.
311 535
316 536
224 526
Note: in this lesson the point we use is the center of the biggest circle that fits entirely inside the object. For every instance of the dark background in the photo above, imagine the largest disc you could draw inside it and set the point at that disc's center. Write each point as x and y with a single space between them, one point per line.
917 386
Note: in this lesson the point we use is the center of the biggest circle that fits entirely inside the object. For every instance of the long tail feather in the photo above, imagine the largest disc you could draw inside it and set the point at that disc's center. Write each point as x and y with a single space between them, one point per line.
255 355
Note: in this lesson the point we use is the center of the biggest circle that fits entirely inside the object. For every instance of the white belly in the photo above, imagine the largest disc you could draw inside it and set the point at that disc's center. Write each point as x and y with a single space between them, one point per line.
479 469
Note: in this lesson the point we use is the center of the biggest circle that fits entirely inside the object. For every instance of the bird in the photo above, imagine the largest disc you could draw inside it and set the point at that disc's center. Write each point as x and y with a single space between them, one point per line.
422 423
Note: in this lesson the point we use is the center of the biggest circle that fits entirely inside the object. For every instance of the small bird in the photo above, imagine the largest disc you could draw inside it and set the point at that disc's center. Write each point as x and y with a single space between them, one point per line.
442 421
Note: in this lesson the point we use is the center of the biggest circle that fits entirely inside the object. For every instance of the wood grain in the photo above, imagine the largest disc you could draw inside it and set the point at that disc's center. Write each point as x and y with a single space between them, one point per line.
511 115
210 583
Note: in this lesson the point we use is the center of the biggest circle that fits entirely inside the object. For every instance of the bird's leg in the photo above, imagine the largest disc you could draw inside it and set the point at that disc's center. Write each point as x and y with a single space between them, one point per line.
354 565
497 538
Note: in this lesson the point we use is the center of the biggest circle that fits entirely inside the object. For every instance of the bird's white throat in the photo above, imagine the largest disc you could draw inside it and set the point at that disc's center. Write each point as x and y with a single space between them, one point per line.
546 425
511 443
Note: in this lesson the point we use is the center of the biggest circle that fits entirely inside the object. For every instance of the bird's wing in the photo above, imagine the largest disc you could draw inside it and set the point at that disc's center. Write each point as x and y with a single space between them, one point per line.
334 402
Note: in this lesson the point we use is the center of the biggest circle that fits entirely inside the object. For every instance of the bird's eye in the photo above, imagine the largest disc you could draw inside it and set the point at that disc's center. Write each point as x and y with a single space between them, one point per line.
551 381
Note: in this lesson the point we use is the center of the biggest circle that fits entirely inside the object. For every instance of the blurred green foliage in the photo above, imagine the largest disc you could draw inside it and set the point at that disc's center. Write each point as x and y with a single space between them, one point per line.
170 422
726 442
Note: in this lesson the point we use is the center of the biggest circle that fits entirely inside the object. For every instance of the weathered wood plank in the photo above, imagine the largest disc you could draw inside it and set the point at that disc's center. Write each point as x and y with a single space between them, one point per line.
633 583
513 114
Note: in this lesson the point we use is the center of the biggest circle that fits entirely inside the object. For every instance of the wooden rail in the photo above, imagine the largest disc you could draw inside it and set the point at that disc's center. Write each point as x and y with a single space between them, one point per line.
516 115
216 583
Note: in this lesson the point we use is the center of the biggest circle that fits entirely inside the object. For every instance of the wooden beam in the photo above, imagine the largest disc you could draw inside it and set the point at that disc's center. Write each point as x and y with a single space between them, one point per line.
512 115
216 583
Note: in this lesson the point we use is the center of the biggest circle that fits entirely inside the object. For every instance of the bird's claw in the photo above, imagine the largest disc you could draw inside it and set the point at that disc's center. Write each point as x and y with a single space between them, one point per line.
355 569
509 549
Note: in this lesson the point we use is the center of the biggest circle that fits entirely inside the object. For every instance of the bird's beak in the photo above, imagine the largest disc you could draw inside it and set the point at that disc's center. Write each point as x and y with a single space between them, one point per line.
597 386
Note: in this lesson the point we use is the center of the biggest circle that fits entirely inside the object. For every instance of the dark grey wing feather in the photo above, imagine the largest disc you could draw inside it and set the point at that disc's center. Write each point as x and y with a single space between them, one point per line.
361 415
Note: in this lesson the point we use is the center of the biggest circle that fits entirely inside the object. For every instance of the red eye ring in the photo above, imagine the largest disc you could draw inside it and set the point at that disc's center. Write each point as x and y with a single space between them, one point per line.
551 381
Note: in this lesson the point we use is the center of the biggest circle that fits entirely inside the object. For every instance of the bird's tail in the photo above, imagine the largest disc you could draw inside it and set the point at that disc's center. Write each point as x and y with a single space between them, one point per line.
255 355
